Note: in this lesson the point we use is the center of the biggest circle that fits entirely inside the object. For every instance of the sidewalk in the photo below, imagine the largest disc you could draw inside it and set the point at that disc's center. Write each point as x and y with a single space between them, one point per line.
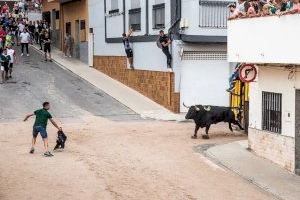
263 173
127 96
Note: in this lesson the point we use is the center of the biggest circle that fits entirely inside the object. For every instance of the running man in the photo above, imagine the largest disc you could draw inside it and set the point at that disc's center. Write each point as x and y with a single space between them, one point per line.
40 126
128 48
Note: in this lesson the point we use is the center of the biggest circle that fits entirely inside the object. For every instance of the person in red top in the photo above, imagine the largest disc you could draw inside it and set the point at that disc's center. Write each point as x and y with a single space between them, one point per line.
2 35
5 8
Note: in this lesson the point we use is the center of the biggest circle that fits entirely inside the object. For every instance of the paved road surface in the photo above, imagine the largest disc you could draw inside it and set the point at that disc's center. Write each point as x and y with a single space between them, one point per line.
120 159
35 81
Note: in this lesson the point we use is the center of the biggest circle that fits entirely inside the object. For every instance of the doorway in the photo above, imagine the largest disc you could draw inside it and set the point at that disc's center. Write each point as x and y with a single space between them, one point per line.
297 133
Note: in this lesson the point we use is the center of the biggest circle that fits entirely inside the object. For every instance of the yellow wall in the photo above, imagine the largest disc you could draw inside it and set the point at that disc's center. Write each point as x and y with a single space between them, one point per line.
49 6
75 11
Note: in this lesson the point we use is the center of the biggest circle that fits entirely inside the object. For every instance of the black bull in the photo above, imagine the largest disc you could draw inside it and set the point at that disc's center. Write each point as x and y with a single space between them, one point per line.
205 116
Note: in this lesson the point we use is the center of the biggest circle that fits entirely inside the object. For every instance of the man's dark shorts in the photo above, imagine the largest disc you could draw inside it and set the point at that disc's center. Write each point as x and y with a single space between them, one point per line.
39 129
129 53
47 48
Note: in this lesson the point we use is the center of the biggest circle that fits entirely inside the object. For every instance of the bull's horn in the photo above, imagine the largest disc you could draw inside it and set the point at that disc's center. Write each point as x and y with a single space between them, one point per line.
197 108
185 105
207 108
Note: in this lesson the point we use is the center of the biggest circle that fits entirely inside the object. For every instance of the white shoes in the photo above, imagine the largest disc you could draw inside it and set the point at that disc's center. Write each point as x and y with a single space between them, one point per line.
27 55
22 54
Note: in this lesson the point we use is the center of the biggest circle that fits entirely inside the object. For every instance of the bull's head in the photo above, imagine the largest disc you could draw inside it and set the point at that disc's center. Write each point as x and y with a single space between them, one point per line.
192 112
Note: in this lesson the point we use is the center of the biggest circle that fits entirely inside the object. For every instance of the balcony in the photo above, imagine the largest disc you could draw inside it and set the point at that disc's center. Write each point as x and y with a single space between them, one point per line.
270 39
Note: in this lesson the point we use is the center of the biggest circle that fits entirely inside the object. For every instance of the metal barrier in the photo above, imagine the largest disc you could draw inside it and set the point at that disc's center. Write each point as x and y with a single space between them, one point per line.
239 102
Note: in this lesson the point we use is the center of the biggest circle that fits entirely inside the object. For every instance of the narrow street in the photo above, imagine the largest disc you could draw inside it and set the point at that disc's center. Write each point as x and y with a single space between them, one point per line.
111 152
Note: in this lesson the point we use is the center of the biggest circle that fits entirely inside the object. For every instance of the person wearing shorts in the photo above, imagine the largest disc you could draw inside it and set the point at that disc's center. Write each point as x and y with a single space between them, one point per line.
13 58
47 47
40 127
5 59
128 48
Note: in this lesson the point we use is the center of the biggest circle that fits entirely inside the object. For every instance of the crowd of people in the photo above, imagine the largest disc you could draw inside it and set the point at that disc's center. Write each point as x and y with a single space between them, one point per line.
257 8
17 30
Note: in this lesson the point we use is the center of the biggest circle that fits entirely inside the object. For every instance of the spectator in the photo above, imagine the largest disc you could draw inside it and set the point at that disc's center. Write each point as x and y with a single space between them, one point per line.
47 47
68 42
128 48
25 40
165 41
251 10
234 12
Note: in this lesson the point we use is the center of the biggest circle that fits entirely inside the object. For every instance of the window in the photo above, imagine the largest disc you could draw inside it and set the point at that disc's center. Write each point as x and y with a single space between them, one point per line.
158 16
114 4
114 7
57 14
135 19
135 4
271 111
82 25
213 14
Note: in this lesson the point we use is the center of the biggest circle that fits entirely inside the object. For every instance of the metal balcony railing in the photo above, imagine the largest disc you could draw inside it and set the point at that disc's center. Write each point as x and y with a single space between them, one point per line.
213 14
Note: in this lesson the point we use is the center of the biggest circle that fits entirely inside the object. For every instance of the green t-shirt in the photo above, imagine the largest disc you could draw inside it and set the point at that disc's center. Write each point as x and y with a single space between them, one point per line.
5 58
41 117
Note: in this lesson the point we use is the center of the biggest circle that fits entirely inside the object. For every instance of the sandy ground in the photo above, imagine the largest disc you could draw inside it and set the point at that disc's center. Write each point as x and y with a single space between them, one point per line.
118 160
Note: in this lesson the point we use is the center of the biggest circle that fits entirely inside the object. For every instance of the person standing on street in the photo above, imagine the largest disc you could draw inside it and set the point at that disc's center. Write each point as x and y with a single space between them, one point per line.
25 40
40 126
13 59
165 41
47 47
68 45
128 48
5 59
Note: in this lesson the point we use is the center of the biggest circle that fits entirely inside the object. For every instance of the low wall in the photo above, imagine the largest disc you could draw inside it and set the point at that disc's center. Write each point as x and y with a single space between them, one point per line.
158 86
275 147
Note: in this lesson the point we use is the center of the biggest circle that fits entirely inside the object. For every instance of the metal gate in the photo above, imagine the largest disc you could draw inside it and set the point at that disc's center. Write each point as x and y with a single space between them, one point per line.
239 101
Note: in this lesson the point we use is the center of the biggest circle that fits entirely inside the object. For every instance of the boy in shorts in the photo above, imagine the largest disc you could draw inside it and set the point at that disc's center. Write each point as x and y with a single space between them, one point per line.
5 59
13 58
40 127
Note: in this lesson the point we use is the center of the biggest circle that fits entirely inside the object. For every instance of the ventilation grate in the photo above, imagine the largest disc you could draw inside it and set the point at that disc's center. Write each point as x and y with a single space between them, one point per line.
204 55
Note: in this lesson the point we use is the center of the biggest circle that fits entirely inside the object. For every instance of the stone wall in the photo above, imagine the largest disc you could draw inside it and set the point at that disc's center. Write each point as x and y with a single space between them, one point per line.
158 86
275 147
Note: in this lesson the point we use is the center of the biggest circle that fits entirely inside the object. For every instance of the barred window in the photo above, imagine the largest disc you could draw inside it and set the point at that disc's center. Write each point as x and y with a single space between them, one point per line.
271 111
158 16
135 19
213 14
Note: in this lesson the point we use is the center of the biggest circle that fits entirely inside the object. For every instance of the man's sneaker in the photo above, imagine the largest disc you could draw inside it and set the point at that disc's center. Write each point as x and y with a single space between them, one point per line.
31 150
22 54
28 54
48 154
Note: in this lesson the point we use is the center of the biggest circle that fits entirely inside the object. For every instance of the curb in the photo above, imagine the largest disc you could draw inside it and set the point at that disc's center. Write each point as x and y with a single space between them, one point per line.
144 115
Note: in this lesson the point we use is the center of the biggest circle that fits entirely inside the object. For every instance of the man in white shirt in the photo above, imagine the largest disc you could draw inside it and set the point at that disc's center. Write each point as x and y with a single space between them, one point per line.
25 40
13 58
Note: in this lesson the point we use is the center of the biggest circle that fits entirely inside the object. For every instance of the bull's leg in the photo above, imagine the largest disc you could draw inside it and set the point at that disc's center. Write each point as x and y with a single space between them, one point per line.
206 131
195 132
238 124
230 127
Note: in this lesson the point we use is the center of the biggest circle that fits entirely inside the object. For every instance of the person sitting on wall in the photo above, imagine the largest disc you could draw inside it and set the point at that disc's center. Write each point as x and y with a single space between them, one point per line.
128 48
165 41
233 78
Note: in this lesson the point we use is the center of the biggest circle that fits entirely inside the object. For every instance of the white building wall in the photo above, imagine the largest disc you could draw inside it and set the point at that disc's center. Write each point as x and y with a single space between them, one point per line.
190 12
274 79
269 39
198 75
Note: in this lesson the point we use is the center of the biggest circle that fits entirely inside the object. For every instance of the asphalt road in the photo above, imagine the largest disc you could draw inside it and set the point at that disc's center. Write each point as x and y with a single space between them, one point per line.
35 81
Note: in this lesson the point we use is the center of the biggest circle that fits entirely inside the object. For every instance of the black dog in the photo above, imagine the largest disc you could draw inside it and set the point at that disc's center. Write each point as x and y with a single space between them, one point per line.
60 141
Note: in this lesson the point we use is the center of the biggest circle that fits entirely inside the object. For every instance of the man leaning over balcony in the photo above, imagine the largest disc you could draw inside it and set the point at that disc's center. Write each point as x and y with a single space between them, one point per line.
293 7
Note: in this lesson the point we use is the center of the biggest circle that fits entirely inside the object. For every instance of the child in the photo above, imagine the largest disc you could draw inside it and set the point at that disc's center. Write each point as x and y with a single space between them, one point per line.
5 59
47 47
13 58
